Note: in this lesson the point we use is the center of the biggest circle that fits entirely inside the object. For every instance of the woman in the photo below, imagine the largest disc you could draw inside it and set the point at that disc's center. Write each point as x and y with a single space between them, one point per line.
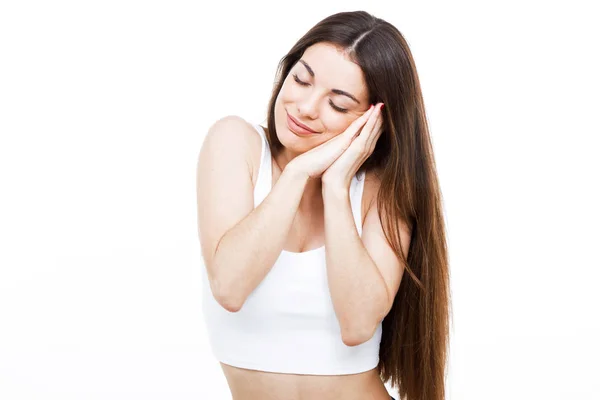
307 225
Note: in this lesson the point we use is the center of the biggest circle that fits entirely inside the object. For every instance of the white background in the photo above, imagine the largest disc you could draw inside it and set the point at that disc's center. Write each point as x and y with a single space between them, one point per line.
103 109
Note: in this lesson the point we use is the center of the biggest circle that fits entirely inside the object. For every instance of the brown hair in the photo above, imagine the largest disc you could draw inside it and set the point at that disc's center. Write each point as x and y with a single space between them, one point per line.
414 343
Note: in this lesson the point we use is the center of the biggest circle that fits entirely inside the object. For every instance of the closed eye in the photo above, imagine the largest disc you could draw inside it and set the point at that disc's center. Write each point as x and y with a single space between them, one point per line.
339 109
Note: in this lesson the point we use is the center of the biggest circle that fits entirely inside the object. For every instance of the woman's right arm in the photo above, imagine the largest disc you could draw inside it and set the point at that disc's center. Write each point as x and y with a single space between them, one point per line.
240 243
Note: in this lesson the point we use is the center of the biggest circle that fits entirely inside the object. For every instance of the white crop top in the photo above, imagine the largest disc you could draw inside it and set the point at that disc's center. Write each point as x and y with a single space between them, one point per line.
288 323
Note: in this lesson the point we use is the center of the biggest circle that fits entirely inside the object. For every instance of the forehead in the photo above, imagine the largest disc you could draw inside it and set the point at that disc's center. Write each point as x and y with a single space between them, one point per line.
334 70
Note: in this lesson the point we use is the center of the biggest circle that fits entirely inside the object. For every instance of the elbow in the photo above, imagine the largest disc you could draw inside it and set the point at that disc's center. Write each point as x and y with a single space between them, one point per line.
220 289
228 302
354 338
357 337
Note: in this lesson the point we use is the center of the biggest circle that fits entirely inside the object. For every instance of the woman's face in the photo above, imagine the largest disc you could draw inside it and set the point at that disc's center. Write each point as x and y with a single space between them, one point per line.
312 94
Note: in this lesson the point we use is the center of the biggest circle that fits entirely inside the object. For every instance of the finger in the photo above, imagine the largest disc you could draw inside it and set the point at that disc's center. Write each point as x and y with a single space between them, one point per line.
355 126
368 128
378 129
371 138
377 124
360 126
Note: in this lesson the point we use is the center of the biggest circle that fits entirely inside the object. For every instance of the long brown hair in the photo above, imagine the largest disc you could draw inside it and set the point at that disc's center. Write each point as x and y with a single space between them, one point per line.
414 343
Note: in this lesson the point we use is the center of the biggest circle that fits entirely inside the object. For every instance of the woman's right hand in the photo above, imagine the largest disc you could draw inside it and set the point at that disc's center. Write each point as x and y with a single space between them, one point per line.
315 162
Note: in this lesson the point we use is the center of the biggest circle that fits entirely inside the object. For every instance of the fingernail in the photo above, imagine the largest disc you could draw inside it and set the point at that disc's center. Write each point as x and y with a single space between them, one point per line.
381 108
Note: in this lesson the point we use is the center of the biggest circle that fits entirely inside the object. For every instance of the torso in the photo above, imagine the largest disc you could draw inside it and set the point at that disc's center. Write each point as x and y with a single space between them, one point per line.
246 384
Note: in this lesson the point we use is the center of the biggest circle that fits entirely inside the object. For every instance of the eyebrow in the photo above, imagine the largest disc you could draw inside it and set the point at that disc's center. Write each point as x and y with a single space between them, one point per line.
336 91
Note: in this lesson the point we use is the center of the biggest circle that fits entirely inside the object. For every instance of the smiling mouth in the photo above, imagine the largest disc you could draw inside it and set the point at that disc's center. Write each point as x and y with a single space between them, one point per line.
298 129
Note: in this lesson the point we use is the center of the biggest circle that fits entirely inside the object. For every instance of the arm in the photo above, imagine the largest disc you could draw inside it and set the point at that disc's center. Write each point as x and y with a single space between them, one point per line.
247 252
363 275
239 243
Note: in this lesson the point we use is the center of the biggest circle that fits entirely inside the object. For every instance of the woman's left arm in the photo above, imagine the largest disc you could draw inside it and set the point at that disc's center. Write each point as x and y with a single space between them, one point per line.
358 291
363 274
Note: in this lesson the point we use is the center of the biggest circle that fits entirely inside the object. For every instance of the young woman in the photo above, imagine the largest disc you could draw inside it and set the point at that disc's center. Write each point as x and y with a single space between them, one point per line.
307 226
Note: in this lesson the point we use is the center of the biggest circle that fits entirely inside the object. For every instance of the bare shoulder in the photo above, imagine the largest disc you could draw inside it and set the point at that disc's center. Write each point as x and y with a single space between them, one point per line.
236 134
233 127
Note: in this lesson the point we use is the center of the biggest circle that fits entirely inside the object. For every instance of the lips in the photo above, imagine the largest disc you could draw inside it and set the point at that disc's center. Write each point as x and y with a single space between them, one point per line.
301 125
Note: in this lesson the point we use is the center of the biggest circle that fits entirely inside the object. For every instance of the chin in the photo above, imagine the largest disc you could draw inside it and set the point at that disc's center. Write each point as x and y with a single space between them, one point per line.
290 140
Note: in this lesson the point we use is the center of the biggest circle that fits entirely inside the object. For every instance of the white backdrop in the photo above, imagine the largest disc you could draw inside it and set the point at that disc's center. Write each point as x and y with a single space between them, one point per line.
103 110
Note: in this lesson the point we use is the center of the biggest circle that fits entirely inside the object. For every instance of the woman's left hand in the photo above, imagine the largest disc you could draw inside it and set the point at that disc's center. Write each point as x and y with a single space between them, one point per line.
339 174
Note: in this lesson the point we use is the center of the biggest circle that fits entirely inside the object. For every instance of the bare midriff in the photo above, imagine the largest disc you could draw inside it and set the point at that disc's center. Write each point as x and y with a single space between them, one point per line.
247 384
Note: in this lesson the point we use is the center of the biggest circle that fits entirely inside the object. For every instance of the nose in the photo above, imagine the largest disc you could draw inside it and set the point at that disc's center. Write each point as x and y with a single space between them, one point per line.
309 106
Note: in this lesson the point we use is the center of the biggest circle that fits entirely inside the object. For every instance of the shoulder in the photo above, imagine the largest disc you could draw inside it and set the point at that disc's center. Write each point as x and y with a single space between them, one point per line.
233 133
231 127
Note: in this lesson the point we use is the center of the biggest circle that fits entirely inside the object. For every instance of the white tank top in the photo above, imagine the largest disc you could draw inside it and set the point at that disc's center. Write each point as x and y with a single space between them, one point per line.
288 323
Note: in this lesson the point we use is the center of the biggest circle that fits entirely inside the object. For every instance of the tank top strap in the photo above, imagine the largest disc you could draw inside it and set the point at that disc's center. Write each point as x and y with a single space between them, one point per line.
356 194
265 176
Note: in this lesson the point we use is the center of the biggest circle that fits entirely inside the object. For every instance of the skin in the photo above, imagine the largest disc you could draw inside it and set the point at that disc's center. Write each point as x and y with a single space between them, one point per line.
247 384
310 105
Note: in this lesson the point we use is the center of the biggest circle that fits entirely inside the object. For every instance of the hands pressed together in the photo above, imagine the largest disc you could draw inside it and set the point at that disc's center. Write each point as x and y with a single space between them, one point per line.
337 160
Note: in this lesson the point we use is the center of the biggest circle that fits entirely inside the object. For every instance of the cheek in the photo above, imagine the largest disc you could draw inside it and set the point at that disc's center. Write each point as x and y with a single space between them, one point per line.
337 125
331 132
289 93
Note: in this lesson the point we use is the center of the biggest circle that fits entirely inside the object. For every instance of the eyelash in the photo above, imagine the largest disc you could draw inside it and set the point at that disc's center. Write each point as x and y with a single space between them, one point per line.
342 110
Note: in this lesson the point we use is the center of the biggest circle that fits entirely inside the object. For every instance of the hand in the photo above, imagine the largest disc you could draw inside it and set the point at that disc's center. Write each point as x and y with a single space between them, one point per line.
339 174
315 161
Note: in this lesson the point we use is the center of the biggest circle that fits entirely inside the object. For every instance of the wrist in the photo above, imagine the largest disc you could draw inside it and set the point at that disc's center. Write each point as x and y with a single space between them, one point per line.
335 191
294 173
